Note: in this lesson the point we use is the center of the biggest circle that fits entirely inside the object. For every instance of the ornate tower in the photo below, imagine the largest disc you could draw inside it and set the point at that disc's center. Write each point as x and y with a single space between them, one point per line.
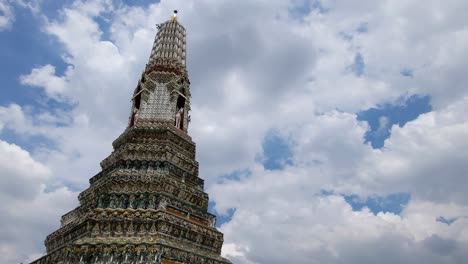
147 205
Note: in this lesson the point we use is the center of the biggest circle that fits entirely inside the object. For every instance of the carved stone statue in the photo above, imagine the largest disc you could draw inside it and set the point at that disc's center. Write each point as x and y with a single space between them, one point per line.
211 222
118 229
136 114
141 201
130 228
133 117
178 117
106 229
95 230
162 204
157 258
123 201
101 201
152 228
112 202
131 201
151 202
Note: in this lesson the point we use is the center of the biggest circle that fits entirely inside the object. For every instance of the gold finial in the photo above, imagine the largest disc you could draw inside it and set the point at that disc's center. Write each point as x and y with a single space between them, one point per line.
174 16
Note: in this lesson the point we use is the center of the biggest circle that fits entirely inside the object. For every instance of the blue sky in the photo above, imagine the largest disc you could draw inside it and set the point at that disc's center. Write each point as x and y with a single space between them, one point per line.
383 117
314 121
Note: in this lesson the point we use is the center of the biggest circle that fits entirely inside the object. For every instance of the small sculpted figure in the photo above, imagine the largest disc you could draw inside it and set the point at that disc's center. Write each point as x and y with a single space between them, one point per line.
101 201
178 117
112 202
151 202
162 204
132 202
137 114
212 222
123 201
141 201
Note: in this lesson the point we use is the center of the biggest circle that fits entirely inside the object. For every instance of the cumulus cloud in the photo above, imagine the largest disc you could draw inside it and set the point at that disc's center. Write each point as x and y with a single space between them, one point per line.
13 117
16 164
428 152
45 77
25 121
282 65
6 15
27 206
326 230
425 158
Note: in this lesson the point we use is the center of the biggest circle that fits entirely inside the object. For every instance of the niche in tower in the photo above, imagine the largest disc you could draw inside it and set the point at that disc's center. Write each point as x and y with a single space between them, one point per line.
136 106
137 101
180 106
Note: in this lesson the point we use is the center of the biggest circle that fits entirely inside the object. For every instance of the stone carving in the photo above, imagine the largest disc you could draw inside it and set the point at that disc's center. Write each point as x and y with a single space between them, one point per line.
136 113
101 202
132 201
118 229
211 222
178 117
151 202
157 257
162 204
123 201
139 253
141 201
112 201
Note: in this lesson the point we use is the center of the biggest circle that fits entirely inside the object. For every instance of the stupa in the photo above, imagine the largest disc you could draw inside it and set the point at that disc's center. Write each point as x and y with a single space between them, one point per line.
147 204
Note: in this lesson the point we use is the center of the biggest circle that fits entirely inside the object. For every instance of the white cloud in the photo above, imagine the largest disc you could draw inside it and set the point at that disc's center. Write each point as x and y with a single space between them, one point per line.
16 166
426 158
258 67
383 125
33 5
398 38
25 122
26 223
326 230
45 77
6 15
27 207
12 117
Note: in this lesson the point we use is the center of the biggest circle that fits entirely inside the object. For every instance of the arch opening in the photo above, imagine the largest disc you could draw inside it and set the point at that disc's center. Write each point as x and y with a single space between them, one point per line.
180 112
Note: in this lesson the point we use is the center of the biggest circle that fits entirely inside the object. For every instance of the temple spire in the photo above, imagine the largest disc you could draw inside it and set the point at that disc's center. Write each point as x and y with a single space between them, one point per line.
148 204
169 44
166 98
